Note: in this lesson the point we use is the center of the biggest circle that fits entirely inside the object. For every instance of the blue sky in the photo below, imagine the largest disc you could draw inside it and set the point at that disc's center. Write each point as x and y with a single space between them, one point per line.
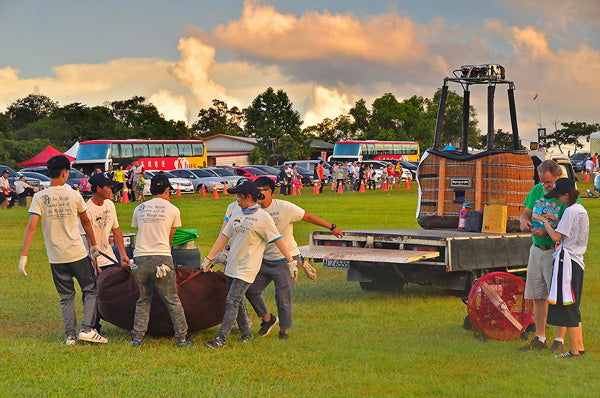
325 54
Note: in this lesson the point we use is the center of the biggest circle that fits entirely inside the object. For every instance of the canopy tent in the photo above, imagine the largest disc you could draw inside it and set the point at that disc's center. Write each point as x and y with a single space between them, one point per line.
42 158
72 152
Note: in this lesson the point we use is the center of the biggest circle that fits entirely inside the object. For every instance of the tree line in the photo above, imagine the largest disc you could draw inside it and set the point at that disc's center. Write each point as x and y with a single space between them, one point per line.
29 124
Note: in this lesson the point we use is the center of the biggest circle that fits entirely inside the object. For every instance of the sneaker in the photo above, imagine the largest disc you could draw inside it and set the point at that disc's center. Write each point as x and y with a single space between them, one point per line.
283 335
217 342
266 327
557 347
567 354
535 344
245 339
71 340
91 336
136 343
185 343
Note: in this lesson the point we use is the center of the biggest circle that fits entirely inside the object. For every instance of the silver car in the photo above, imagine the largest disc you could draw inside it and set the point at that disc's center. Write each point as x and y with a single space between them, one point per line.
227 175
184 185
199 178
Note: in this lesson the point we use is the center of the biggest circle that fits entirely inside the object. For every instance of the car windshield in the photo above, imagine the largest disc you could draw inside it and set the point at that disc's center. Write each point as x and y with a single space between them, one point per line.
169 175
578 156
39 176
302 170
255 171
223 172
269 169
93 151
74 173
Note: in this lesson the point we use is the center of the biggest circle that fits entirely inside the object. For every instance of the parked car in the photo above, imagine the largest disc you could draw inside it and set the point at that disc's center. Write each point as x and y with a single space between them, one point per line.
13 177
577 161
184 185
307 176
310 166
252 173
44 180
224 174
412 166
199 178
75 175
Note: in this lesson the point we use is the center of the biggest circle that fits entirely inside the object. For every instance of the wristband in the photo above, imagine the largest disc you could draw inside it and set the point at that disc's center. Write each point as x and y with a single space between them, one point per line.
333 226
209 259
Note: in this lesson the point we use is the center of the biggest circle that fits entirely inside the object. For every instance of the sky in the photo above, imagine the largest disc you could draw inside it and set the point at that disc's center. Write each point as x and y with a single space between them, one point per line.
325 54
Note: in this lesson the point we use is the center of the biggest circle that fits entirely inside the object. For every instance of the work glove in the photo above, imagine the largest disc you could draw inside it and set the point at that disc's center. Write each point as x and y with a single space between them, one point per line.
206 264
94 251
22 264
161 270
221 258
293 269
310 272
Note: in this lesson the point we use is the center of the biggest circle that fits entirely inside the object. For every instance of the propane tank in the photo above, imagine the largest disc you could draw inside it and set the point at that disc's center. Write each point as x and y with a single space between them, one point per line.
462 216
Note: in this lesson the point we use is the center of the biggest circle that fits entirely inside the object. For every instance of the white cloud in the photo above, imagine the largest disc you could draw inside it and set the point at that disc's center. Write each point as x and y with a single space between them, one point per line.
326 103
172 107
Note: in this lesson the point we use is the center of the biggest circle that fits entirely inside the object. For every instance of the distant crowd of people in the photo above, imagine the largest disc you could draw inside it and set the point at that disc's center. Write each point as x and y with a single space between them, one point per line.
351 175
131 180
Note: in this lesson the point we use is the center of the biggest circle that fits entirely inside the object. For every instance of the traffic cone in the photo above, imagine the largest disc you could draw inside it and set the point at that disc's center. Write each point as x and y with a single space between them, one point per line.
407 184
225 188
215 193
293 190
178 194
362 186
316 188
125 198
340 189
203 192
586 177
384 186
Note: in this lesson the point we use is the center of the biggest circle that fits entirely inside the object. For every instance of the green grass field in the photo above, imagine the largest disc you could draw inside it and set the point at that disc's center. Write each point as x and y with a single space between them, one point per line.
345 342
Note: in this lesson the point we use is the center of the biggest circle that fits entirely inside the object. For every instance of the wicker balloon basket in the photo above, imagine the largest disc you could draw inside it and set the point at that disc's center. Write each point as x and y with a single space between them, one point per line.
448 179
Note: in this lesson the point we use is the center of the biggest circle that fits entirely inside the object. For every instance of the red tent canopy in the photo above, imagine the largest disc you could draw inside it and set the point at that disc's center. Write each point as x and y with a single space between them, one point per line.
42 158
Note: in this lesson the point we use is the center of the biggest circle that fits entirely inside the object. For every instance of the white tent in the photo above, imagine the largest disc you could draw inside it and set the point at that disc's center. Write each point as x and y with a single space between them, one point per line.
73 150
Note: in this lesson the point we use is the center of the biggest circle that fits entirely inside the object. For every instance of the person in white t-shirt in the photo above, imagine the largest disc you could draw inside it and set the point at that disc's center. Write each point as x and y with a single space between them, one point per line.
59 207
103 216
22 188
7 190
248 233
156 221
572 234
284 214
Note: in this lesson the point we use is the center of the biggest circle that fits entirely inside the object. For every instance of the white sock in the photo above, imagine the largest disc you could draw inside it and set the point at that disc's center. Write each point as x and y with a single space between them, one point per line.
542 339
560 340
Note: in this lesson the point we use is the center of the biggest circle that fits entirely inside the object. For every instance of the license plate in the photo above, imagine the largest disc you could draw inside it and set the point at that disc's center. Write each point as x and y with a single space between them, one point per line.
336 264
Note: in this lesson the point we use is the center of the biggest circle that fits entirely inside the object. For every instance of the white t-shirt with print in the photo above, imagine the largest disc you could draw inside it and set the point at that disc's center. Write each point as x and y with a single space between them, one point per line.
248 236
154 220
104 220
20 187
284 215
59 208
574 225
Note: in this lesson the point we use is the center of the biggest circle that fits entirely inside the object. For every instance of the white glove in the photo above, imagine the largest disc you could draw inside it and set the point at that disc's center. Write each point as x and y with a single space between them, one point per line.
221 258
206 265
310 272
94 251
22 264
161 270
293 269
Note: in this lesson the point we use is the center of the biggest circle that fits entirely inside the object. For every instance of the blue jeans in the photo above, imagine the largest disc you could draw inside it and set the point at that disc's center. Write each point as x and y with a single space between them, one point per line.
235 308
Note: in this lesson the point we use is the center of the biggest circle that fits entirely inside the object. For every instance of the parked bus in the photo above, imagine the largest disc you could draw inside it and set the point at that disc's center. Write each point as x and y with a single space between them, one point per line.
375 150
152 154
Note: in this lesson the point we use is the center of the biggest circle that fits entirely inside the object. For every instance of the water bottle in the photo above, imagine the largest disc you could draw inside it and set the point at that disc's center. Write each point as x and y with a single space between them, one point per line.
132 266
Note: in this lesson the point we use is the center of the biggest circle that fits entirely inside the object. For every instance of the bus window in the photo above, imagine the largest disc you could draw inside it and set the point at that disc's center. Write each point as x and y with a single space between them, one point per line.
388 149
414 149
185 149
126 150
198 149
171 150
370 149
156 150
114 149
93 152
140 150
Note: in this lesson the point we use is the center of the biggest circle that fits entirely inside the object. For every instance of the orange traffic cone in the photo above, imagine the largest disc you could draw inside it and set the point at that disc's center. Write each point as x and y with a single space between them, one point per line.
203 192
384 186
293 190
316 188
407 184
225 188
362 186
215 193
586 177
125 198
340 188
178 194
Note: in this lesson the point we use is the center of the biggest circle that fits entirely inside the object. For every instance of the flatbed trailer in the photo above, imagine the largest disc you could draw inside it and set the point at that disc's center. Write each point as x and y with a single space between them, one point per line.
449 259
